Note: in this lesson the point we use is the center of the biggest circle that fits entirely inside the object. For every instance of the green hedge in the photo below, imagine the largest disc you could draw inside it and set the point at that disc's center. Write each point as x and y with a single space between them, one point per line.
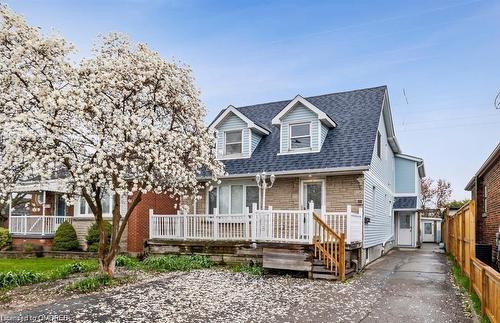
65 238
5 238
93 236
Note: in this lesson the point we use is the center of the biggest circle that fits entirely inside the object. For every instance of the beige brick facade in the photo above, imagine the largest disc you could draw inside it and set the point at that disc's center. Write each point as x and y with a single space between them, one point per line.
285 194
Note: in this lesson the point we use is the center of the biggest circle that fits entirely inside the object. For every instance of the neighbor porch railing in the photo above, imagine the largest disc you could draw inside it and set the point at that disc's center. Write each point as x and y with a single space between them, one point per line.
36 224
287 226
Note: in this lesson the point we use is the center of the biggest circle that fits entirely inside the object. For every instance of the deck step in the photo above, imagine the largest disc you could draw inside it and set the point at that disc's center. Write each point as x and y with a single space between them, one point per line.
329 276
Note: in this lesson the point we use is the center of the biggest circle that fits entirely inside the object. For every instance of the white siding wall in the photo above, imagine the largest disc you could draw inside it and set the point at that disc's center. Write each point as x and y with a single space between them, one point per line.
255 140
232 122
300 114
324 132
379 208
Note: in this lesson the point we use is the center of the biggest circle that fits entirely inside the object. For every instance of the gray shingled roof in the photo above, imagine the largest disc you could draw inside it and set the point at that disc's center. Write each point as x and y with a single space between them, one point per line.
405 202
350 144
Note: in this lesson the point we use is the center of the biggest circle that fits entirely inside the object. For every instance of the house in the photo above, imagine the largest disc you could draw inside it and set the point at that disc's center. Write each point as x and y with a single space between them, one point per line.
337 150
485 190
334 189
36 221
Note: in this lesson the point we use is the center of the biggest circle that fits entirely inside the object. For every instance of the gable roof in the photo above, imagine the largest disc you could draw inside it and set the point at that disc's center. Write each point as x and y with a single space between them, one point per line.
300 100
487 164
250 123
348 147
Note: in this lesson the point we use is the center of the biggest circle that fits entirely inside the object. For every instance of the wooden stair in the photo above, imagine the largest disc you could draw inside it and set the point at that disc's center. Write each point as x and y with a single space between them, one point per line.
329 252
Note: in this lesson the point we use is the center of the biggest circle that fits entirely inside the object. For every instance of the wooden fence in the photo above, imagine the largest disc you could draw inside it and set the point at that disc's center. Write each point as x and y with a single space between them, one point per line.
459 234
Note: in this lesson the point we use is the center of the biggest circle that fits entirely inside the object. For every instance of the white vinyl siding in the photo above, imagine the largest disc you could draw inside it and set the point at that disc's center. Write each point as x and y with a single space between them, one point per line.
255 140
231 123
377 208
300 114
324 132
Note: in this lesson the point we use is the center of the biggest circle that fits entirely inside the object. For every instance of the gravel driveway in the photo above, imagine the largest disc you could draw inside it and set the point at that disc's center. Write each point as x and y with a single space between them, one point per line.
383 293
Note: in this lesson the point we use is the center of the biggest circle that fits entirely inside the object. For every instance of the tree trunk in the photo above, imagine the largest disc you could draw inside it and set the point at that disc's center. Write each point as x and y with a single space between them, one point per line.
107 265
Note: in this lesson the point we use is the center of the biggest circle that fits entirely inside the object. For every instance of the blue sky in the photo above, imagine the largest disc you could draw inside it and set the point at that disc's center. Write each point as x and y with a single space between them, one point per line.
443 54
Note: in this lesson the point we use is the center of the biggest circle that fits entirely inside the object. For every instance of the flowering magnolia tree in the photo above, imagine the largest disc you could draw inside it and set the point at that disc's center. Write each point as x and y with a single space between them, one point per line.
123 122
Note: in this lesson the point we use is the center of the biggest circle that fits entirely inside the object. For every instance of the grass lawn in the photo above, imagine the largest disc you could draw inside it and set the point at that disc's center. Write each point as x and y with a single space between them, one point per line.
38 265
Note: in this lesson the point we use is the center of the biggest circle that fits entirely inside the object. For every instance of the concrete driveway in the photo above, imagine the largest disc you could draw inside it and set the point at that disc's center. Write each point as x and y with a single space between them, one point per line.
417 288
404 286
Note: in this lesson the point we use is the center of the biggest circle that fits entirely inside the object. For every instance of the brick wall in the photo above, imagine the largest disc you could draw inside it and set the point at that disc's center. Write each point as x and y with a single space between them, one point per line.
488 225
138 225
342 191
284 195
19 242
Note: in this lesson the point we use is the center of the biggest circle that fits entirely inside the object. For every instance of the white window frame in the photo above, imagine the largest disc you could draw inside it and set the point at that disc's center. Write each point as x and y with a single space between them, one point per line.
88 211
290 137
244 197
232 143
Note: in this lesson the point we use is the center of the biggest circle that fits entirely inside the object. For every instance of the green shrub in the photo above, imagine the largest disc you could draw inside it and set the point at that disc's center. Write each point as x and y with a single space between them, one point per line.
176 263
65 238
249 269
93 236
125 261
20 278
74 268
5 239
91 283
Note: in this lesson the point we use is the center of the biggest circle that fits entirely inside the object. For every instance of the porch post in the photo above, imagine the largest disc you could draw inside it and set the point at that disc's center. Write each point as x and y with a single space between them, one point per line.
184 224
254 221
310 221
43 213
151 224
247 222
216 224
348 220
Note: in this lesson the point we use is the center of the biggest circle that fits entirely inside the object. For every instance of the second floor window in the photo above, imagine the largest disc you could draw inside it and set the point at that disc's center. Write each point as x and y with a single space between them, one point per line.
233 143
300 136
379 143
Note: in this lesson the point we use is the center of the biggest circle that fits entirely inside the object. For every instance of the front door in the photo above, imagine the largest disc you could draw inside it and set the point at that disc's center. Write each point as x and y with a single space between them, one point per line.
61 206
428 231
405 229
312 191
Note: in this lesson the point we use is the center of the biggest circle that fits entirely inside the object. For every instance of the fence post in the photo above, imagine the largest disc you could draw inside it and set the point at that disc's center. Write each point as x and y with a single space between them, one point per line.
270 223
310 222
484 290
184 225
247 222
25 225
254 222
348 220
151 236
216 223
342 257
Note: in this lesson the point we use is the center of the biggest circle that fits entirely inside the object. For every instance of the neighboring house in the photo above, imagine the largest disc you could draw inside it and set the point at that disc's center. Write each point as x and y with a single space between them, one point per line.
485 190
430 225
336 150
37 221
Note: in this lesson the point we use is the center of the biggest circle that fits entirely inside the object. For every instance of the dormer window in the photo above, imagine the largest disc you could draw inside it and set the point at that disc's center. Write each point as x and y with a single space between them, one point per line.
234 144
300 136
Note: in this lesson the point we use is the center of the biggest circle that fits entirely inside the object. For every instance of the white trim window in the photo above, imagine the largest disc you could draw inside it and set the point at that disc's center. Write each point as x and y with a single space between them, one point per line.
300 136
232 199
233 143
84 208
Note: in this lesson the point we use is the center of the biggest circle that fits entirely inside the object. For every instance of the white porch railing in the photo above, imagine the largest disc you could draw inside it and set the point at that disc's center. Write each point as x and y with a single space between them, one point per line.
36 224
349 223
287 226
